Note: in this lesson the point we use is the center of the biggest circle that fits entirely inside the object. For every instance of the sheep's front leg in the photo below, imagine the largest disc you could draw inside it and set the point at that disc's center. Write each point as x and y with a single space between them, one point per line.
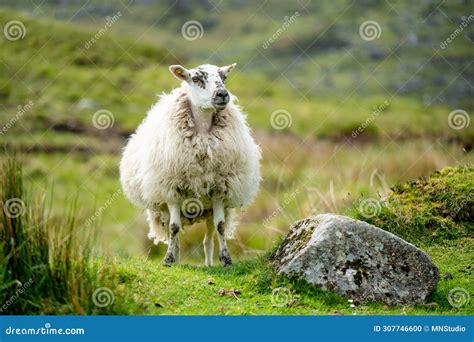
219 225
172 254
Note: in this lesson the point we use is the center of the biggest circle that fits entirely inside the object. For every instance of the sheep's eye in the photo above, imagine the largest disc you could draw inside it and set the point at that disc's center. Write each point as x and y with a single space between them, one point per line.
195 79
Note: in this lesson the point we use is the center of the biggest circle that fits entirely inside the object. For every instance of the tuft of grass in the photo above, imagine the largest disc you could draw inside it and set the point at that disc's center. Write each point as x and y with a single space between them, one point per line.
46 261
428 210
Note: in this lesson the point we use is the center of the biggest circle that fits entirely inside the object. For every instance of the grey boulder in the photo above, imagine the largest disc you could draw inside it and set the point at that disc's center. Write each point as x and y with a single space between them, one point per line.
356 259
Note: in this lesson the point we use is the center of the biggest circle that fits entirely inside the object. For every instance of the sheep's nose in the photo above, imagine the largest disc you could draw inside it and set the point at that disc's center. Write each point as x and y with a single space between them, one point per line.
221 95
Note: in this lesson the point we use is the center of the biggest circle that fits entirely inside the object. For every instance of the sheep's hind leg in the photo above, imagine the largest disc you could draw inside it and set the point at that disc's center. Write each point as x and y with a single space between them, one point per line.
219 225
152 232
157 222
172 254
209 242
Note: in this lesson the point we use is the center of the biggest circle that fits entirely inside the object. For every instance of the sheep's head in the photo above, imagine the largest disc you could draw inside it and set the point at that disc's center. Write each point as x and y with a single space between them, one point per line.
206 84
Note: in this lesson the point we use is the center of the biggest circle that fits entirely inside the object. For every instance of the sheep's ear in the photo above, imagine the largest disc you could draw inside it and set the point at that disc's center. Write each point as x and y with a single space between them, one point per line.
223 71
180 72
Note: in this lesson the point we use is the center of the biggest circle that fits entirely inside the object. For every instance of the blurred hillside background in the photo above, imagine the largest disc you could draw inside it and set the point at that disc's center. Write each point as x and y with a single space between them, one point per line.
346 99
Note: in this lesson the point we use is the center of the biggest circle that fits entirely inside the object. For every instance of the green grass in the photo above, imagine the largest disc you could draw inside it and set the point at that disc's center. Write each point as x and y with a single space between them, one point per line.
198 290
56 255
322 177
315 155
431 209
68 83
336 60
46 262
312 166
147 287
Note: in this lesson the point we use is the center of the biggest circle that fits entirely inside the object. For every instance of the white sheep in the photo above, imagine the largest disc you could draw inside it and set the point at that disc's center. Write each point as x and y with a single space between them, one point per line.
192 158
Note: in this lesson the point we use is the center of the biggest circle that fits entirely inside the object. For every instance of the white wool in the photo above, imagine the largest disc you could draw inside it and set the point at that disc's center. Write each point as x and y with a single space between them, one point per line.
167 162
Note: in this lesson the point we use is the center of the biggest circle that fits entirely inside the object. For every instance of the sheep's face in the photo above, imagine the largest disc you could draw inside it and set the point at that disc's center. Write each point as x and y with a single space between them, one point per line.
206 85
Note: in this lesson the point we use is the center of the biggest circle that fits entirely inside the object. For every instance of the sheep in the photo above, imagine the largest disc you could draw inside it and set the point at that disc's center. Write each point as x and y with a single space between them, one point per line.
192 158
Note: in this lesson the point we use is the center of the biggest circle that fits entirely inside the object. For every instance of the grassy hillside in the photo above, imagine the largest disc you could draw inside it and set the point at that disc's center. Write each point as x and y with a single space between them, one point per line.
148 288
68 83
85 283
361 116
319 52
312 166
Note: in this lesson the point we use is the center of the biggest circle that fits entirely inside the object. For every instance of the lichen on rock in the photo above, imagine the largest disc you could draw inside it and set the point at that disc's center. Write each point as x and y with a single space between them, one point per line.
356 259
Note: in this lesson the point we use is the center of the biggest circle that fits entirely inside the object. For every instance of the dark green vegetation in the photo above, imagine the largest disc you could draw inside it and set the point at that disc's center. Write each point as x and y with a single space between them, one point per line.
431 209
46 264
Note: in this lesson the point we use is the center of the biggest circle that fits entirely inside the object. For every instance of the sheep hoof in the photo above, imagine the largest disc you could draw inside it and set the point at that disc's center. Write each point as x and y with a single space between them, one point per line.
225 259
169 259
